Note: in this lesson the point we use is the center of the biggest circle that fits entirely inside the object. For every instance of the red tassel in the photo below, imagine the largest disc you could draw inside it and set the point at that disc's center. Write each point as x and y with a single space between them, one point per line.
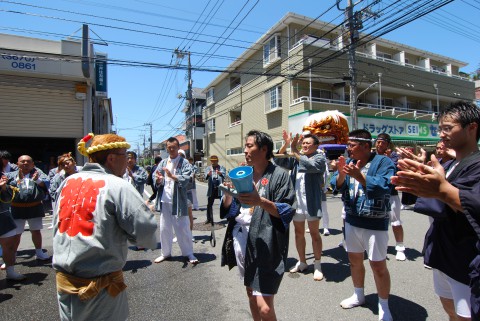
87 138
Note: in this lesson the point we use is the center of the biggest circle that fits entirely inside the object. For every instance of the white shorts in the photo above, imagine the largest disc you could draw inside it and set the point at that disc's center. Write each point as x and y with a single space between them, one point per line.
9 234
35 224
395 210
305 217
256 293
240 236
358 240
448 288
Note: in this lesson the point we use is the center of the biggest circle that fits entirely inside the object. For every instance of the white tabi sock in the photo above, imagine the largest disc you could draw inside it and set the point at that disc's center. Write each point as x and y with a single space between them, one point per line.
383 310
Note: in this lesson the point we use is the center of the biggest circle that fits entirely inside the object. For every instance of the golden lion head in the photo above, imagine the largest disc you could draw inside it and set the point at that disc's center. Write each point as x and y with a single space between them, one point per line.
331 127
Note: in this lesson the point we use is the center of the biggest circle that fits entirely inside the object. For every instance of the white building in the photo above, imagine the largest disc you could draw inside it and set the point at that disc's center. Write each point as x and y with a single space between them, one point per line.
47 102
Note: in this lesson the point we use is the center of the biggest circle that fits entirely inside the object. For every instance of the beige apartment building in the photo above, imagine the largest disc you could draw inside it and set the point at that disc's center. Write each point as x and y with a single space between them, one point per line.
296 69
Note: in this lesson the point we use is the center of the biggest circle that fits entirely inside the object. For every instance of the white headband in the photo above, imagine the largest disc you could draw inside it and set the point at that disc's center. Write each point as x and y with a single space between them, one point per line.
360 139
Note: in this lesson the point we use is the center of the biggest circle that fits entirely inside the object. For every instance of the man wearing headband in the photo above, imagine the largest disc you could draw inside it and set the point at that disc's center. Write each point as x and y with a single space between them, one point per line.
364 181
215 175
96 213
382 144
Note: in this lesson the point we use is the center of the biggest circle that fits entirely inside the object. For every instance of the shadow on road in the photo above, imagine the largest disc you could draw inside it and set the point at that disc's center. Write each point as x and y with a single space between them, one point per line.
5 297
135 265
32 278
401 309
205 257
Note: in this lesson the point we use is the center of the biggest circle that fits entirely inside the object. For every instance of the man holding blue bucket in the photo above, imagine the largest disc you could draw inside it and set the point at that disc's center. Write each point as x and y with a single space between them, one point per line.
270 211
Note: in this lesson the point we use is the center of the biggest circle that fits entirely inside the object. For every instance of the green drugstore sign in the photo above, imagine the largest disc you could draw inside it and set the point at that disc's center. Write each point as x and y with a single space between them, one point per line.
101 76
396 128
403 129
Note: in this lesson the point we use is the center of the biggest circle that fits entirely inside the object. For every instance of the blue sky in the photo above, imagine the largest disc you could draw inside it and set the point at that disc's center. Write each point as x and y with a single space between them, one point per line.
149 30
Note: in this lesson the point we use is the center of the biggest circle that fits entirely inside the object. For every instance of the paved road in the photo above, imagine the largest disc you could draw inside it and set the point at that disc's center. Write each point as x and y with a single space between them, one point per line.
175 290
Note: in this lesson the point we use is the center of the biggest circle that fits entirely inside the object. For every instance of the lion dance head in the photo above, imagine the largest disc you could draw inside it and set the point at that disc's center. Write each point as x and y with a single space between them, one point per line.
331 127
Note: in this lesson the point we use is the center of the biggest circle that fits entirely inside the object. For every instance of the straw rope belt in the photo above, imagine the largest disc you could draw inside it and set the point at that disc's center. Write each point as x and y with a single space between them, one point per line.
87 289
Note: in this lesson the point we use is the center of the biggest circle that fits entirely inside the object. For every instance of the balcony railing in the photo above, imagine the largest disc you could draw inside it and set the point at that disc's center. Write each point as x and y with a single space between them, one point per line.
235 123
396 62
323 44
372 109
319 100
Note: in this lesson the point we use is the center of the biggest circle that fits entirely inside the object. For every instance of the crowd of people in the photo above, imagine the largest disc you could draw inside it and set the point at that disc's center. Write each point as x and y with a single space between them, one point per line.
288 185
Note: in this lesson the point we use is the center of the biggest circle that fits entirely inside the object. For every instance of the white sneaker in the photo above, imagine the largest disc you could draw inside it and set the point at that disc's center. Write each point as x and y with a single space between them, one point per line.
326 232
14 276
174 240
400 253
161 258
400 256
317 274
193 260
352 302
299 267
43 257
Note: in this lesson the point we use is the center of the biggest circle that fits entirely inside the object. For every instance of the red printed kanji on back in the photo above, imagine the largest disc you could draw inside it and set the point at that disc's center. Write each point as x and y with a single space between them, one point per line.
77 204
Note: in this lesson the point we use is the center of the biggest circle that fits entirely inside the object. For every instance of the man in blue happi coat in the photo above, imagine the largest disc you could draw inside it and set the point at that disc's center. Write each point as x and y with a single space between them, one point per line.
364 181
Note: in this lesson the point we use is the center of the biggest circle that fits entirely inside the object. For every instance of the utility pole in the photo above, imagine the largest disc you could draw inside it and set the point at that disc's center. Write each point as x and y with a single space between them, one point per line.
189 97
151 143
354 24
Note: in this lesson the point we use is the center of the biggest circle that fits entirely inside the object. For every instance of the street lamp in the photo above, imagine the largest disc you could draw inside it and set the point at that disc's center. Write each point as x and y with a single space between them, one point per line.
355 114
380 88
438 103
371 85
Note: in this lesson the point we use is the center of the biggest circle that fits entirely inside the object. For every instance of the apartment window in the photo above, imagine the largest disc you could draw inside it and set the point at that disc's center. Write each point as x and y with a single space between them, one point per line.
436 68
273 99
236 119
384 55
210 93
234 84
211 125
321 93
387 102
235 151
272 50
277 145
